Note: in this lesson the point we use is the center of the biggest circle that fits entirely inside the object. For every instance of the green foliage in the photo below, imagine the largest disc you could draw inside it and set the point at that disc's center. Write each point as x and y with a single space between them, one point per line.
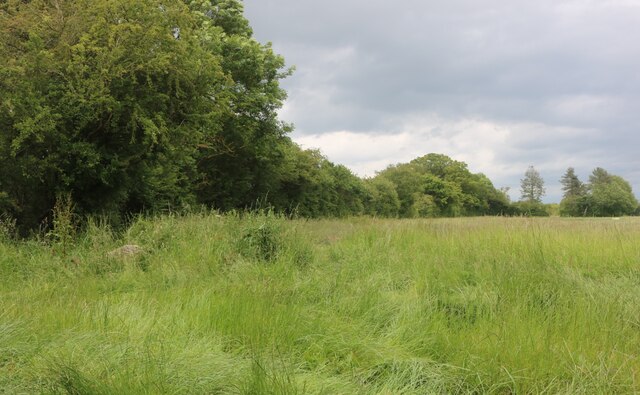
241 163
64 223
574 206
8 229
575 200
383 198
605 195
312 186
610 196
571 184
134 106
261 238
408 183
149 107
424 206
164 106
436 185
530 209
553 209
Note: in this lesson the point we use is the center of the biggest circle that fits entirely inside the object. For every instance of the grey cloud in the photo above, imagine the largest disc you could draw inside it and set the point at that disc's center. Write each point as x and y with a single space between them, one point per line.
565 65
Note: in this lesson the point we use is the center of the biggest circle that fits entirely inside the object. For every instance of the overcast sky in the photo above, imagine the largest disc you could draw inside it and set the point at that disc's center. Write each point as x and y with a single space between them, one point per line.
500 85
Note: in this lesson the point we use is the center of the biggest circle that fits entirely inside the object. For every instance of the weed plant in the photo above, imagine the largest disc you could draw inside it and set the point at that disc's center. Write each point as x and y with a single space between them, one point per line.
259 304
8 228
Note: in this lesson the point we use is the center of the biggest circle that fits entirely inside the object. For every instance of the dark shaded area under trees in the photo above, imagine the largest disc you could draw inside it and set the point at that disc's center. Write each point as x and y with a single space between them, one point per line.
146 106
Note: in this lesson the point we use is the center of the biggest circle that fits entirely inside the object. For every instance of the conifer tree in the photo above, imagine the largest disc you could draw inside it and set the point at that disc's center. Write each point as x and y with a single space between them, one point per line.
532 186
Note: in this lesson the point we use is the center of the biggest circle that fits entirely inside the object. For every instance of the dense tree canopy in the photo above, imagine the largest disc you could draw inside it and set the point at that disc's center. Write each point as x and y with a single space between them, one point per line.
312 186
383 197
436 185
609 195
135 106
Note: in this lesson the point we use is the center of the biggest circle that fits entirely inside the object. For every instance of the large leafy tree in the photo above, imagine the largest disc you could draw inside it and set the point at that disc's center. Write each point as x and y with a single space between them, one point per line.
135 105
436 185
468 193
242 162
610 195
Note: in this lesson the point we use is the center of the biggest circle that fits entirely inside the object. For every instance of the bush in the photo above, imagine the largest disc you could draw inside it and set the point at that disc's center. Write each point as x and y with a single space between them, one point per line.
266 237
7 227
261 239
530 209
64 223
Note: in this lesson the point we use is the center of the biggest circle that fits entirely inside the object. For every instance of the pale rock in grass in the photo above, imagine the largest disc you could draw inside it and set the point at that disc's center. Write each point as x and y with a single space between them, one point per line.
128 250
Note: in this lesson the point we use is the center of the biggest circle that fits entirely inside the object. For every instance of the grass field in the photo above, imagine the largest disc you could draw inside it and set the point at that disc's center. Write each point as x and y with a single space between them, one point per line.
257 304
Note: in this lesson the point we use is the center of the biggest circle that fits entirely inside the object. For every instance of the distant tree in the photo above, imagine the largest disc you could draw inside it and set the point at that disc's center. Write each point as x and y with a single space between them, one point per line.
304 186
571 184
532 186
609 195
529 209
442 166
413 182
447 195
480 197
408 182
383 198
499 201
349 192
424 206
574 198
436 185
505 192
312 186
553 209
455 190
599 176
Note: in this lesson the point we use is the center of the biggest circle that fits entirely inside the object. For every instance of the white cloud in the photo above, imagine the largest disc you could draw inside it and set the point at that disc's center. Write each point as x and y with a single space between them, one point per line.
499 150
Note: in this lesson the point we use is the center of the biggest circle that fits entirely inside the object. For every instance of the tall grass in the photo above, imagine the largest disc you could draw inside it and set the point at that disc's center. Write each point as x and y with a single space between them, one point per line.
257 304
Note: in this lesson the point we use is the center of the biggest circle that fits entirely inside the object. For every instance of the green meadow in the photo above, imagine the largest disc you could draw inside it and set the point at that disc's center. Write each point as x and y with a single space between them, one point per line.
259 304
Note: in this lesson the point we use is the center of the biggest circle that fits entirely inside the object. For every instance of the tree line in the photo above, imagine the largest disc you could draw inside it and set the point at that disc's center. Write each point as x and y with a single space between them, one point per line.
605 195
146 106
151 105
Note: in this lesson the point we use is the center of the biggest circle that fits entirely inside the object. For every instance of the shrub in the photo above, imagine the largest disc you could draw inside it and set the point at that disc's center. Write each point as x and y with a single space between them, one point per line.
261 239
7 227
64 223
530 209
